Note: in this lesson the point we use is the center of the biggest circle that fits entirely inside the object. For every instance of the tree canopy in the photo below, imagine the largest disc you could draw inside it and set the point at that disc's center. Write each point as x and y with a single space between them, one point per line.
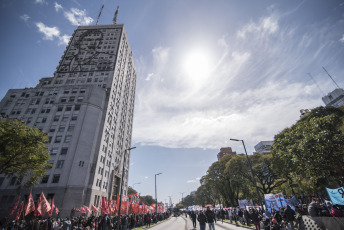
312 150
23 152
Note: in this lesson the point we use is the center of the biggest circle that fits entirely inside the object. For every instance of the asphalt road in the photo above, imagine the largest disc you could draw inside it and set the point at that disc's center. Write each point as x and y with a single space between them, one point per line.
182 223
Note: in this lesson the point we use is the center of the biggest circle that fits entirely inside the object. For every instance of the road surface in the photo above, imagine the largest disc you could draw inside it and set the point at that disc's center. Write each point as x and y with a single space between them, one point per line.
182 223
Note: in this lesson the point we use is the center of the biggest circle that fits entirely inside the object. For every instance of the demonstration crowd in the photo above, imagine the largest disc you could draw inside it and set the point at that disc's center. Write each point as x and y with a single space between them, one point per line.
104 222
281 219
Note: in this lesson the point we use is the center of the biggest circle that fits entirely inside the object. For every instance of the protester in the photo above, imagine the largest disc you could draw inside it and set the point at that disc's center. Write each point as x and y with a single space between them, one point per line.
202 219
193 218
210 218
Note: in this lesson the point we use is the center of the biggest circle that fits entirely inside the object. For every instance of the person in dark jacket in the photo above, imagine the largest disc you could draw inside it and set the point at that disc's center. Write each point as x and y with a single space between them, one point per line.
290 216
202 219
193 218
210 218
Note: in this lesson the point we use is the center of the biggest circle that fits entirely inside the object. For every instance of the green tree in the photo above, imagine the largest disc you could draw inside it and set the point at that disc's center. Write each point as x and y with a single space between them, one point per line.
189 200
131 191
312 150
148 200
23 152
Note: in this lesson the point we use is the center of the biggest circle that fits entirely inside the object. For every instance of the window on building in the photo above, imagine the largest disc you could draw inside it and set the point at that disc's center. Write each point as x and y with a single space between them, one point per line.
65 118
54 151
68 139
69 108
56 178
64 151
71 99
13 181
56 118
71 128
63 99
59 164
74 118
74 90
45 179
82 90
80 99
59 109
52 128
81 163
62 128
66 92
2 180
77 107
44 119
58 139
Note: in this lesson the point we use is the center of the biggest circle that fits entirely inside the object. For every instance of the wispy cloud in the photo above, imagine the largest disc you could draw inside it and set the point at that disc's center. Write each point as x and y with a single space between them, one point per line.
50 33
342 39
40 1
25 17
193 180
256 88
78 17
266 25
58 7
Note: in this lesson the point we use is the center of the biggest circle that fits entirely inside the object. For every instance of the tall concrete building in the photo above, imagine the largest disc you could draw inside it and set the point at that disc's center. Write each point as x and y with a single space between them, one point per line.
334 98
86 109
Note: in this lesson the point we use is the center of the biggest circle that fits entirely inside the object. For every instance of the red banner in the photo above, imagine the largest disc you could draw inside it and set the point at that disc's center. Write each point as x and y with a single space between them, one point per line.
20 210
43 205
30 206
15 206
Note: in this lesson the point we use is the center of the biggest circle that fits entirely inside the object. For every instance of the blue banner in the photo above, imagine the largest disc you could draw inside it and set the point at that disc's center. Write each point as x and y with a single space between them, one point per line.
336 195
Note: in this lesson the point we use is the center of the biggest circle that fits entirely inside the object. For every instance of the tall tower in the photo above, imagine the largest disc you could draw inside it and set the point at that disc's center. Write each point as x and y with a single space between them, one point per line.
86 109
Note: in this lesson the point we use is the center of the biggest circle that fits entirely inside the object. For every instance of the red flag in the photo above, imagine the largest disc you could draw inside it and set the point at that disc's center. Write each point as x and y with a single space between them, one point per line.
87 209
94 208
76 210
30 206
104 205
52 205
15 206
83 210
43 206
20 210
57 210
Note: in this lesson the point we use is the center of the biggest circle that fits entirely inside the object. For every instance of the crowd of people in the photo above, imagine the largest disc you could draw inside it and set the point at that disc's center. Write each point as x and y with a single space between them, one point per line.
104 222
281 219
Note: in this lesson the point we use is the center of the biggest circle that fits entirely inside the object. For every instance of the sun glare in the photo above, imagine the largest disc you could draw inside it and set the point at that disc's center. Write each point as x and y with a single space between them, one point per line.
196 65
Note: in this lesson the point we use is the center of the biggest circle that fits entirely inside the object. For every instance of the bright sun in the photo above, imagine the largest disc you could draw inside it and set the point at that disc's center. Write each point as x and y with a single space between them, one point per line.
196 65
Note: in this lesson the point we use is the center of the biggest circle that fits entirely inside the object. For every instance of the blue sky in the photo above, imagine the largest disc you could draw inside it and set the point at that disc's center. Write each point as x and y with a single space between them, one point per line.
207 71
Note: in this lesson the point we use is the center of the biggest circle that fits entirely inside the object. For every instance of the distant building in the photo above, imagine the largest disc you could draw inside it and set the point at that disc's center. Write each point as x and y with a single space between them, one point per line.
264 147
304 112
225 151
334 98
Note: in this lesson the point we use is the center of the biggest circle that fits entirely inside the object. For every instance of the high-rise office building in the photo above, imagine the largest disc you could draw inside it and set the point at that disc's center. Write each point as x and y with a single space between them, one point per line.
86 109
264 147
225 151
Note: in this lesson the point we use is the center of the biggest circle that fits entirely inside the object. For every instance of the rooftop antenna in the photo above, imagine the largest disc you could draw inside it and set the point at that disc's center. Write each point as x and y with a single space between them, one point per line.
115 17
331 78
316 83
100 12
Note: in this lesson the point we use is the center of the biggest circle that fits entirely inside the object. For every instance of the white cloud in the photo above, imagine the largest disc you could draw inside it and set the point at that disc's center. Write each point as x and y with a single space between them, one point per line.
193 180
342 39
40 1
64 39
49 32
25 17
78 17
266 25
58 7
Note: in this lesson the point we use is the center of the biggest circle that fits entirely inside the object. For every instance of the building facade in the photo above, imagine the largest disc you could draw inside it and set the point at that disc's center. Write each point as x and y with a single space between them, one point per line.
334 98
86 109
264 147
225 151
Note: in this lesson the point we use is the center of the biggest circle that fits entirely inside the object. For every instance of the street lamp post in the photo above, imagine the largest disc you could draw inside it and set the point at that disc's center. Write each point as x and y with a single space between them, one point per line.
182 196
120 192
136 183
156 198
249 164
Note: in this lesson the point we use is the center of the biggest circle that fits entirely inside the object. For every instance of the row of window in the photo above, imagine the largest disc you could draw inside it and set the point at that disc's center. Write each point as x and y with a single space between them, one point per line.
58 139
55 179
